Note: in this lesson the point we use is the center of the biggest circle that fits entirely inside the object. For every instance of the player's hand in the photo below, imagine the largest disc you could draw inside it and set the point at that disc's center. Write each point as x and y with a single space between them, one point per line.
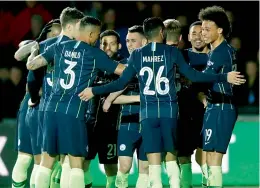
35 47
106 105
86 94
31 104
235 78
203 99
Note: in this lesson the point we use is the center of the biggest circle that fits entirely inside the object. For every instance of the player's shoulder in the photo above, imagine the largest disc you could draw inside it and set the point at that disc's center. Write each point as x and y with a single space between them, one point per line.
123 61
223 50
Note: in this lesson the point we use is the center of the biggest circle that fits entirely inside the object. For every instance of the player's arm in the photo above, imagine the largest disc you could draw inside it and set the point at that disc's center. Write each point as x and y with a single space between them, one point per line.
127 99
36 61
24 51
34 82
116 85
110 99
105 63
196 76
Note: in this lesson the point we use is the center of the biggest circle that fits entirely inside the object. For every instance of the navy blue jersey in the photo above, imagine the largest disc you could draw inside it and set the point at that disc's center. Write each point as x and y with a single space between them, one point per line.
76 65
130 112
24 102
221 60
106 119
154 64
48 70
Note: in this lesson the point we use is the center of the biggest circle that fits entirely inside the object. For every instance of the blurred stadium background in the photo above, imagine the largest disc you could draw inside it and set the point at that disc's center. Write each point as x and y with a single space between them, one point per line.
24 20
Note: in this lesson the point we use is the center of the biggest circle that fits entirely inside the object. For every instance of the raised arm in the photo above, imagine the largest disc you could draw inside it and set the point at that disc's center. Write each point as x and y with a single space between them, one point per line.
24 51
36 61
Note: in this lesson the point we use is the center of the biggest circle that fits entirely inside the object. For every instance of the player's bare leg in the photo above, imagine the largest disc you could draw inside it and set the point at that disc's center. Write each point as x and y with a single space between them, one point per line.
186 172
19 174
56 173
172 169
65 175
76 173
111 171
214 162
125 164
143 178
87 175
200 157
155 170
43 175
37 161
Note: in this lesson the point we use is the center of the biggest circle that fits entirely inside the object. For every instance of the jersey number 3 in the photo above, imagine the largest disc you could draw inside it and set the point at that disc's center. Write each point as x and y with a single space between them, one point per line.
158 80
68 71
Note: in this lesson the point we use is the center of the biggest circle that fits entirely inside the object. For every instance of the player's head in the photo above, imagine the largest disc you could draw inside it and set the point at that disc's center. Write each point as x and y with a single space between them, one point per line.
154 28
173 31
110 42
195 36
215 24
88 30
69 17
135 38
54 30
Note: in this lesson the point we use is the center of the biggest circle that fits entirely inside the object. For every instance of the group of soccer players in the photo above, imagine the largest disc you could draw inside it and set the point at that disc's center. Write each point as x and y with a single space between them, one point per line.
153 108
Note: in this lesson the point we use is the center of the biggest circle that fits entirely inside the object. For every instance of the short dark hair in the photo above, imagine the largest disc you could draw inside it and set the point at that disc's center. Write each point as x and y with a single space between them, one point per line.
218 15
173 29
195 24
70 15
110 33
152 26
89 21
136 29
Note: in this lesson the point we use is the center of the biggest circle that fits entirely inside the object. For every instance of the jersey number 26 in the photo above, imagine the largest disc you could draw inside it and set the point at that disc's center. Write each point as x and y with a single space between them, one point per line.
158 80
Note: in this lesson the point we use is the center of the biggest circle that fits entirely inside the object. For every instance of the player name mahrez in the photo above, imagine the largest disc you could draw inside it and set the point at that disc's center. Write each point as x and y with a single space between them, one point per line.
72 54
158 58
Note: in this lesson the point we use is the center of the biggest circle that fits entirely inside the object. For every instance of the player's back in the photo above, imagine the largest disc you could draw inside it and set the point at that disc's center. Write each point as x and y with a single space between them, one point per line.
48 70
76 65
156 73
221 60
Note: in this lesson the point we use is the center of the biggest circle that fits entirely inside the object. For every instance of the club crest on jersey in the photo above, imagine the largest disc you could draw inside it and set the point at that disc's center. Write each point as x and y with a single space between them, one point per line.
210 63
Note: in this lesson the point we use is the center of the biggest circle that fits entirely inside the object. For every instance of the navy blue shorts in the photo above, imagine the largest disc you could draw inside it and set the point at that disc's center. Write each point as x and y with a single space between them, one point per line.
64 134
219 122
129 140
190 123
40 125
159 134
33 123
102 141
23 136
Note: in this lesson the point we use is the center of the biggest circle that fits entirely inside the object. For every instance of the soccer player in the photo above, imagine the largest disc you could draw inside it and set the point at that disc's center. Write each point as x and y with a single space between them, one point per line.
104 124
154 64
31 135
34 84
190 118
76 64
129 136
221 114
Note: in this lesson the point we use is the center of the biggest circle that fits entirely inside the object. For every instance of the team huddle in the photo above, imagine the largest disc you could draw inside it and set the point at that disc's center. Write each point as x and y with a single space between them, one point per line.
161 102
